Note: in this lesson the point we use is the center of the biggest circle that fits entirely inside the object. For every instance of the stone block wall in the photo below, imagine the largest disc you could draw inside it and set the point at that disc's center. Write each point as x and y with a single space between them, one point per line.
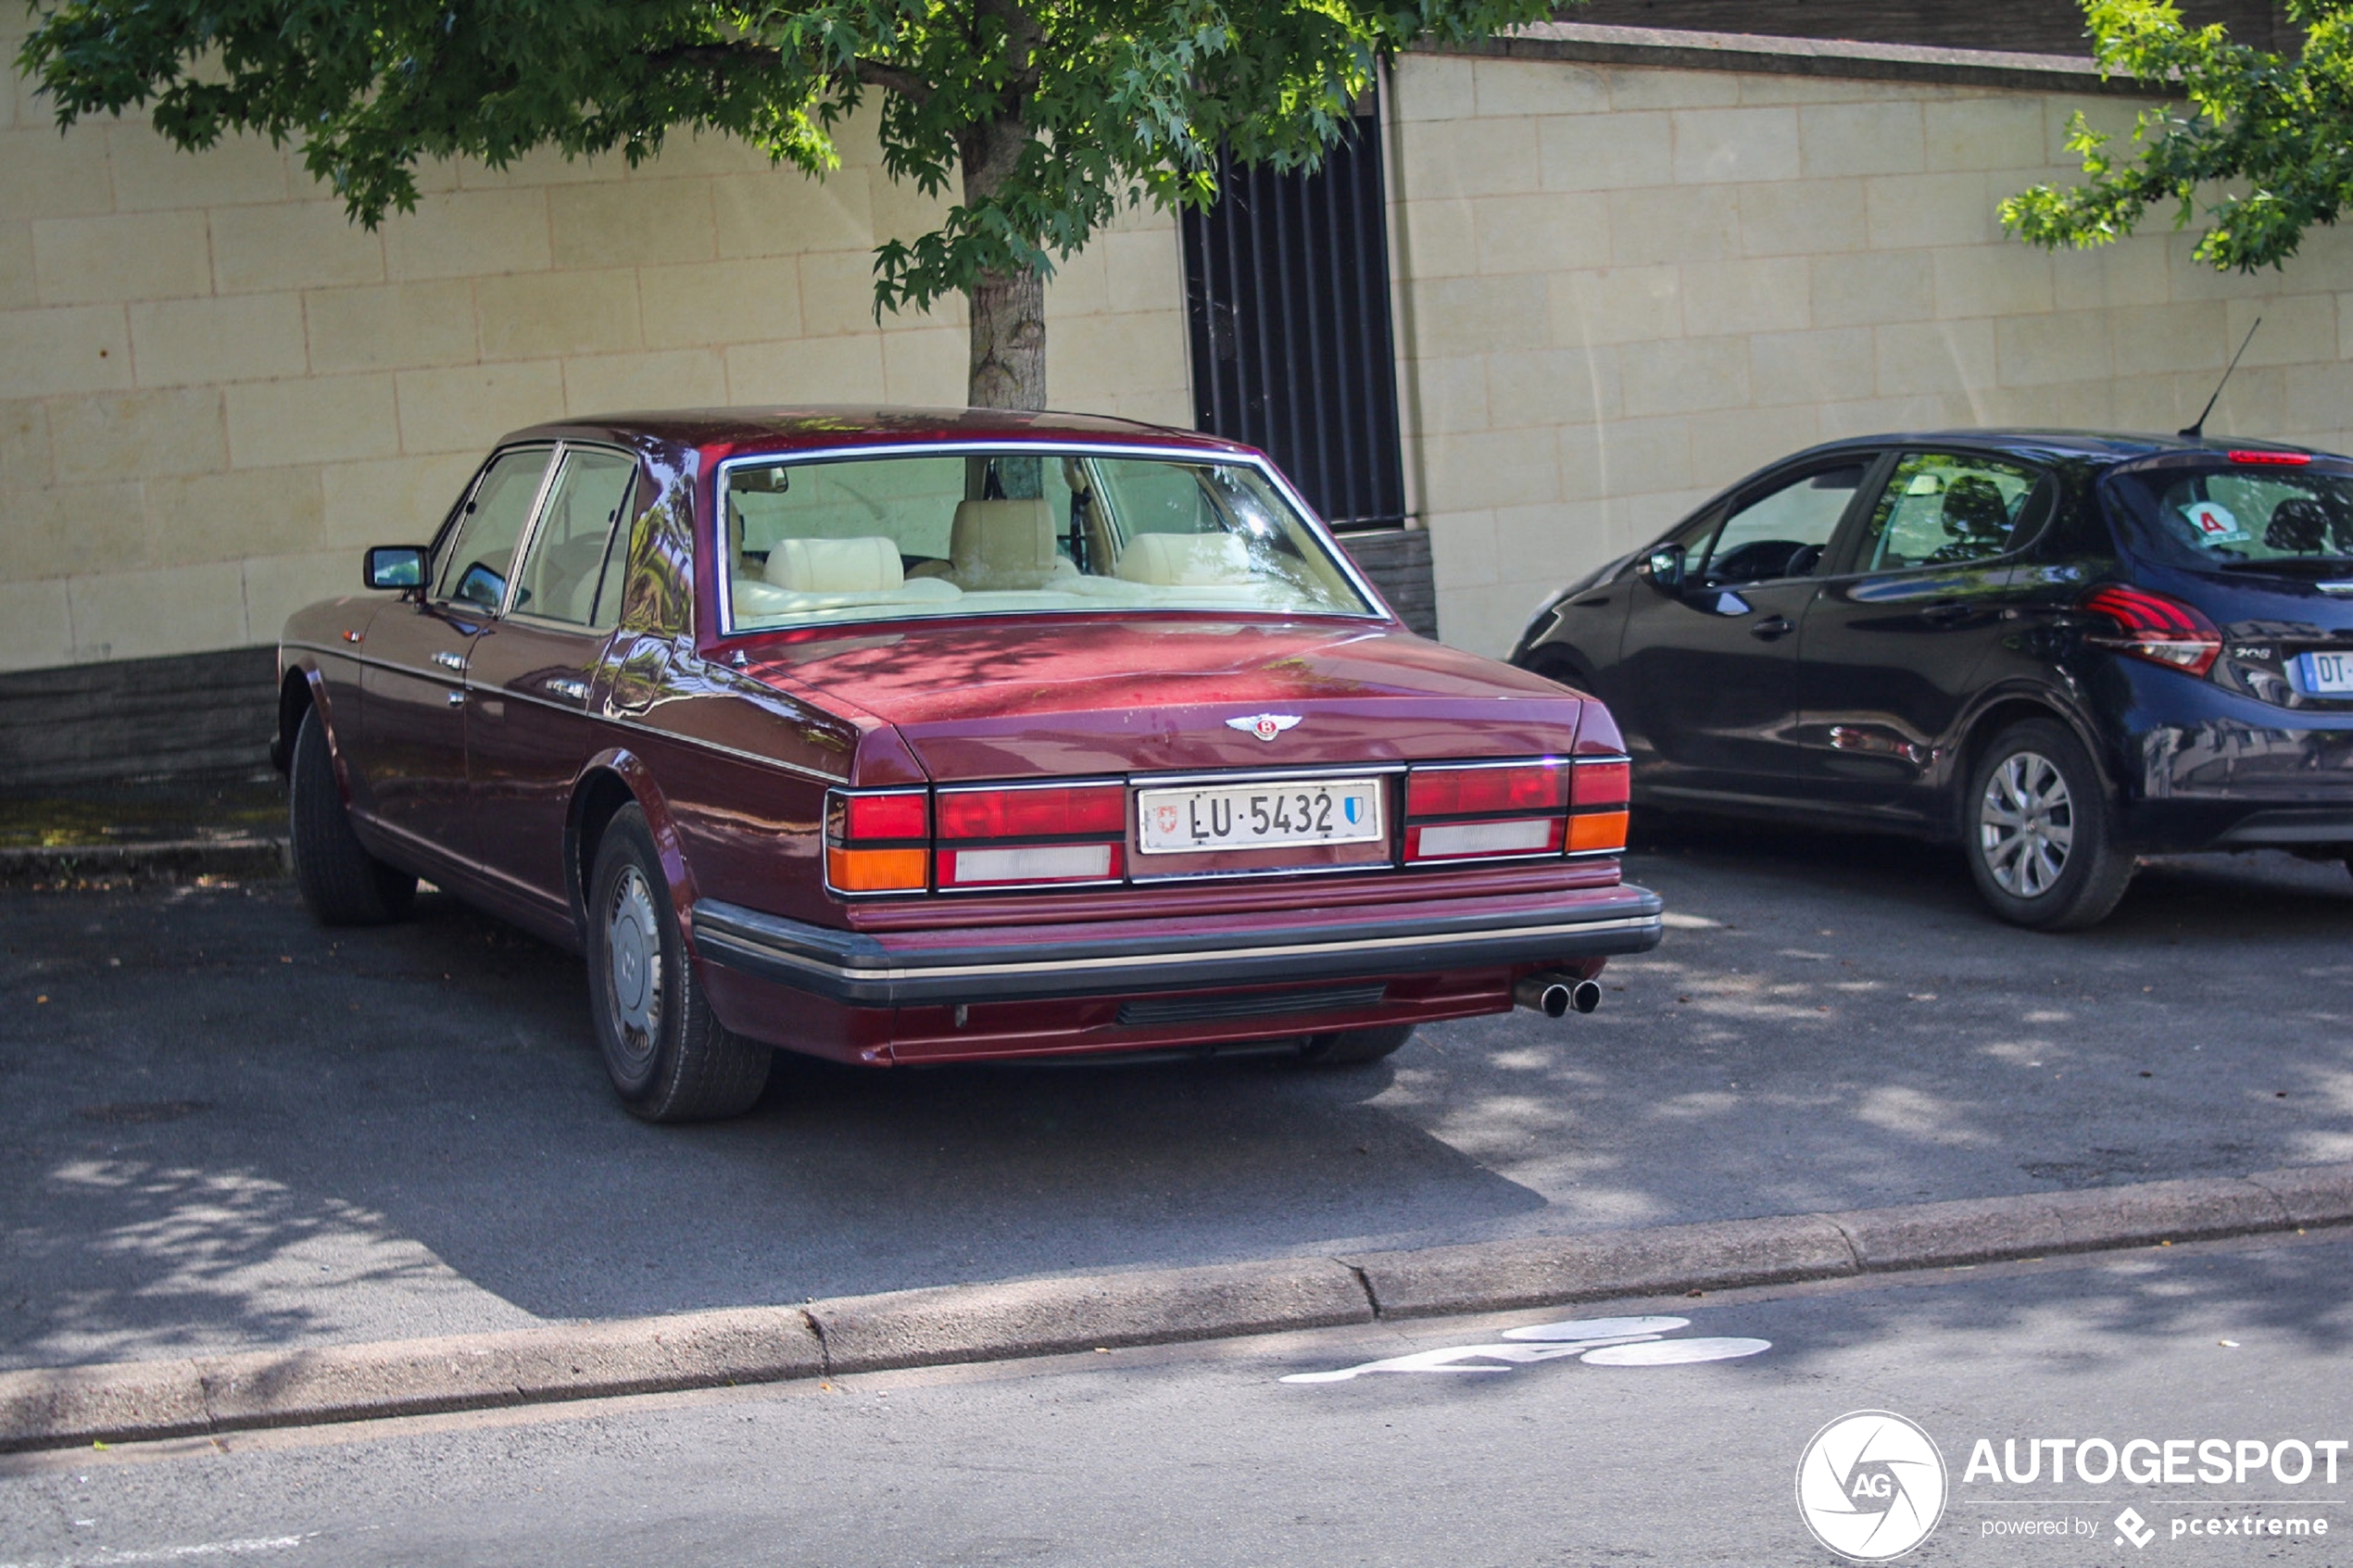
1624 287
215 389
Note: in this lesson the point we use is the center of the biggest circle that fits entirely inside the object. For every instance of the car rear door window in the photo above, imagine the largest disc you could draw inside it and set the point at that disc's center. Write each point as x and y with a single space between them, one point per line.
481 553
1783 532
1948 508
567 552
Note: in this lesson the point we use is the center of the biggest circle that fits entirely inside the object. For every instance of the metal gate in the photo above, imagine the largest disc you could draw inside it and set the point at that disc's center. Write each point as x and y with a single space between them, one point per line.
1287 288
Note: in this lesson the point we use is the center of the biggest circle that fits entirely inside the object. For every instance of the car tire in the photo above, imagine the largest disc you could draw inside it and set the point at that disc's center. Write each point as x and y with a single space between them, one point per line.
669 1057
1355 1048
2035 830
340 881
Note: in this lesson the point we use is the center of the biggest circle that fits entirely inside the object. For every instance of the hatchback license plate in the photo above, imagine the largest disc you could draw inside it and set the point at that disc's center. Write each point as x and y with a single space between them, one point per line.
2325 674
1274 813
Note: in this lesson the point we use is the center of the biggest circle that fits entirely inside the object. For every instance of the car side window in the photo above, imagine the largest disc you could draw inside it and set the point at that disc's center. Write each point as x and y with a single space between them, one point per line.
567 552
482 552
1783 532
1947 509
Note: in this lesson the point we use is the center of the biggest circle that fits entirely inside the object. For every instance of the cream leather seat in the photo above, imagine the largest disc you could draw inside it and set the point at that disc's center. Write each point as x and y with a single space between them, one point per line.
1174 560
864 565
995 545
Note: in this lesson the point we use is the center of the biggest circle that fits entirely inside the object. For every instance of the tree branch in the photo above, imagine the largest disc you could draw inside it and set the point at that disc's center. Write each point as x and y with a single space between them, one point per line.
906 84
719 55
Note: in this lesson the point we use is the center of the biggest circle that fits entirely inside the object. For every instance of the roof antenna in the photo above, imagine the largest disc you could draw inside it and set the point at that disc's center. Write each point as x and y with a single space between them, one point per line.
2196 428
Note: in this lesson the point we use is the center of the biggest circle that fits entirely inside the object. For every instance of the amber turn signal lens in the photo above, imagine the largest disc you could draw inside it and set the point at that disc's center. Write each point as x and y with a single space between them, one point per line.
1596 830
877 871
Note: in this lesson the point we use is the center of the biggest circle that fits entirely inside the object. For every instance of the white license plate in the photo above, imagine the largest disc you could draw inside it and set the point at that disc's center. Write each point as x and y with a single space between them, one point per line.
1254 816
2325 674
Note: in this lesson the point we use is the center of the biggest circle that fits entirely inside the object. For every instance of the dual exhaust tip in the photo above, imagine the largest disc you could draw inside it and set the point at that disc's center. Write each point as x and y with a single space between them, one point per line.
1556 995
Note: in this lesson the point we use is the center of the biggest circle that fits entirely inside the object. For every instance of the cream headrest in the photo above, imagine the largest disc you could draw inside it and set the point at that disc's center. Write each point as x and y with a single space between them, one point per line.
834 566
998 544
1185 560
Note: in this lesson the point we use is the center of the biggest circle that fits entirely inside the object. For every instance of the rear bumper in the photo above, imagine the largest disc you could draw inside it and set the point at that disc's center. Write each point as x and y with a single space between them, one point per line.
859 969
2204 767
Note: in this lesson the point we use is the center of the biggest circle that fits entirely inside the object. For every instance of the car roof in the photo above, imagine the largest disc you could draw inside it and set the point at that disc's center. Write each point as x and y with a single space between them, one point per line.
718 432
2101 447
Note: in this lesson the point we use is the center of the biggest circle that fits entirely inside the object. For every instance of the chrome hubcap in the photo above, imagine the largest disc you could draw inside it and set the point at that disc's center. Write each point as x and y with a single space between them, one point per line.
632 962
2026 824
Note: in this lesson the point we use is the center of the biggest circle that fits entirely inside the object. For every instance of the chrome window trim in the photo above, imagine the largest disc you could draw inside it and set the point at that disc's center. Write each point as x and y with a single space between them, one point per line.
714 537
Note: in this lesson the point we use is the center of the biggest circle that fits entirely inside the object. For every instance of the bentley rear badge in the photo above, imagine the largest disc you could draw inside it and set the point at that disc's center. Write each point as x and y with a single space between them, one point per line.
1265 726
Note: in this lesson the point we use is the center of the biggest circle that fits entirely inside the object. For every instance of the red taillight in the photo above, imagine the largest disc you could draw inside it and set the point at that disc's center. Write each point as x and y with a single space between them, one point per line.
1598 817
887 816
2156 628
2286 459
1455 792
1607 782
1034 813
878 843
1028 836
1496 811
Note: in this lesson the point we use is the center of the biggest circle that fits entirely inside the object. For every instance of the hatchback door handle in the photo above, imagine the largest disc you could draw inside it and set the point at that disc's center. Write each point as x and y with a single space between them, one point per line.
1772 627
1940 615
457 699
448 660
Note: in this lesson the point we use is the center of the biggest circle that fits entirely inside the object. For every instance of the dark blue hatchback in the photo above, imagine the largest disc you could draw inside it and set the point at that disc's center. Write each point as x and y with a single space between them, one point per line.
2062 650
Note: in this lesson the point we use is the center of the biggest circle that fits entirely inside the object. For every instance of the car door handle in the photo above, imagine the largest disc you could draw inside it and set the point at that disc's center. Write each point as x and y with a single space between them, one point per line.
448 660
457 699
1772 627
1944 615
576 690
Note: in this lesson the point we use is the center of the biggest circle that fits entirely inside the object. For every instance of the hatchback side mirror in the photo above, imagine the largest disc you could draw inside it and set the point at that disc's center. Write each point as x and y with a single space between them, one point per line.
1665 568
394 566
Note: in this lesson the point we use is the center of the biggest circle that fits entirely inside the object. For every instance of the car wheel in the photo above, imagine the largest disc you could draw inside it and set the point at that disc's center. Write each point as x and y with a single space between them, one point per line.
340 881
1355 1048
670 1058
2038 831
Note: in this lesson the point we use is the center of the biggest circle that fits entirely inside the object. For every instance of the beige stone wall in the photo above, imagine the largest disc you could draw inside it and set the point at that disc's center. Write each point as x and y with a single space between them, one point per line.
214 390
1624 288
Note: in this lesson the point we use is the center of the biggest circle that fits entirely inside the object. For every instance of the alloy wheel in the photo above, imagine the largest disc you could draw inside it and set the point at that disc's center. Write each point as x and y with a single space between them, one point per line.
633 965
2026 824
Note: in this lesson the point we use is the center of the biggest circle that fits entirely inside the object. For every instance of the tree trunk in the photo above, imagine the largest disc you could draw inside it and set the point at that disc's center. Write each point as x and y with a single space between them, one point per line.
1008 309
1008 341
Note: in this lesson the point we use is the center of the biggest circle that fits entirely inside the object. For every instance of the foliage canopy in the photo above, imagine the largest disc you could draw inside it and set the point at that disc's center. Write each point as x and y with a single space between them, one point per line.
2263 141
1041 117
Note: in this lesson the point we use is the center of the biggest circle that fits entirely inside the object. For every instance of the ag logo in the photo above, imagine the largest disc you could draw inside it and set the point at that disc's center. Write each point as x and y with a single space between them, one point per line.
1872 1485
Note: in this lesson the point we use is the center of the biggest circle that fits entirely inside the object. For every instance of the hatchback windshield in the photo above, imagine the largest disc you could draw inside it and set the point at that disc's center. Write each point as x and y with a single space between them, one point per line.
2240 516
870 538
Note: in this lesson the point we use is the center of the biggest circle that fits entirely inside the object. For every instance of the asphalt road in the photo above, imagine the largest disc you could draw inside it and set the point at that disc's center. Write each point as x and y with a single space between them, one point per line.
1196 1457
225 1128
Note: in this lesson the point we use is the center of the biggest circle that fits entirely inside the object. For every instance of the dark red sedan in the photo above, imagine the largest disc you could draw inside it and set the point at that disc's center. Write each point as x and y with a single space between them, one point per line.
919 737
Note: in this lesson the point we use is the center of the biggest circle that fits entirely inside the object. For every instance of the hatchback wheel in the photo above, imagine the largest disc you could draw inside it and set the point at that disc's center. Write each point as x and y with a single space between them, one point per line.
340 881
670 1058
2038 831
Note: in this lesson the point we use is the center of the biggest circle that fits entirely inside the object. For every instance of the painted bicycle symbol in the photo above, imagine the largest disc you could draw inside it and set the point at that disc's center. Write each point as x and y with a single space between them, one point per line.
1594 1341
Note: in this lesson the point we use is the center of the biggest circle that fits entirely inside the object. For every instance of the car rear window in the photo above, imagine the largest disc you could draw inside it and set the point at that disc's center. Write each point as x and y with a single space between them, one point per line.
870 538
2237 515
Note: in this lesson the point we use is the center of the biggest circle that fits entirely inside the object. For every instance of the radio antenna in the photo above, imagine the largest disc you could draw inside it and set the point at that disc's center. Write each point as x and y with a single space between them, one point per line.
2195 430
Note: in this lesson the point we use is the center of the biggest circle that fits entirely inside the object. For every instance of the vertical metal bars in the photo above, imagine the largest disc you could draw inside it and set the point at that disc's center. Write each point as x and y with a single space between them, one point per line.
1287 292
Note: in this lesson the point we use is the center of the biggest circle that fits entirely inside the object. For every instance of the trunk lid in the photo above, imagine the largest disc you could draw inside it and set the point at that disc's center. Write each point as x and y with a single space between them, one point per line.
1068 698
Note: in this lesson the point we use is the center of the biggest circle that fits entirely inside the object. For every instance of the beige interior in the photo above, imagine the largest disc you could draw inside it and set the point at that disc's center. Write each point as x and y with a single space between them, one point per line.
834 566
1185 560
999 544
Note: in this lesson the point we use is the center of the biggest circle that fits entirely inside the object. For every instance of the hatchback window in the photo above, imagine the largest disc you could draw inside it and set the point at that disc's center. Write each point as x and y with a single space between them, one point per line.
860 539
1783 532
1944 508
489 526
2249 517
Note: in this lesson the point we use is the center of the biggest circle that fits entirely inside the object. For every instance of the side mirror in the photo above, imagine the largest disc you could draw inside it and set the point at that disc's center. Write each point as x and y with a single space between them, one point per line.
1665 568
394 566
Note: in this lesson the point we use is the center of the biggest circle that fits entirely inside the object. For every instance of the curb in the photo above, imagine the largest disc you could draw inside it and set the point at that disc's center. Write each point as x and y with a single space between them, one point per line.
130 1401
174 859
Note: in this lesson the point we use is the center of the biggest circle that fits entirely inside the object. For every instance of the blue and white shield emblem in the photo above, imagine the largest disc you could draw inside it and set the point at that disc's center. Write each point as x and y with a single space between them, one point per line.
1349 808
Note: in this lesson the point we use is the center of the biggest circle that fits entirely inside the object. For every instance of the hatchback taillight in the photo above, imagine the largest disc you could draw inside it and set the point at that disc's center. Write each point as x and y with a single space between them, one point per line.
1024 836
2161 629
879 841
